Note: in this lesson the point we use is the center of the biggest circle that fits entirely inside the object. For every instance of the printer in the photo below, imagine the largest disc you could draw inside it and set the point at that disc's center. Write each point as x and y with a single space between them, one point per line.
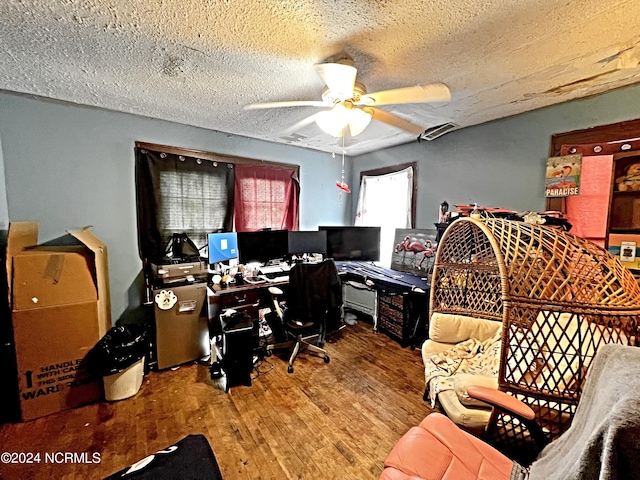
171 272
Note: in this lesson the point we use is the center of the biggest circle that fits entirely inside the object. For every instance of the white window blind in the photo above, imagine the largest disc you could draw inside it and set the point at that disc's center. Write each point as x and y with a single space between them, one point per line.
193 202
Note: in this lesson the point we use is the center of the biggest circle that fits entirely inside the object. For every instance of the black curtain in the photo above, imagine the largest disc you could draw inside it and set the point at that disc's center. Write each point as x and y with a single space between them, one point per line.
180 194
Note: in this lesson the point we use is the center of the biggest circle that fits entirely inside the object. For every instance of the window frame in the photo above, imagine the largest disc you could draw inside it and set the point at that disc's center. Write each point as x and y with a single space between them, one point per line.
220 157
395 169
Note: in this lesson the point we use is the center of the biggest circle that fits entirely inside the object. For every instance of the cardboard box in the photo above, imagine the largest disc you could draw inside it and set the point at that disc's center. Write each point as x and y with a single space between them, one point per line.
60 304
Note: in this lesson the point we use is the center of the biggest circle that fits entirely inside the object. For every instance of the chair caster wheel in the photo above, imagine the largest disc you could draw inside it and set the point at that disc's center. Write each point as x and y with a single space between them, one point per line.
326 359
290 369
268 353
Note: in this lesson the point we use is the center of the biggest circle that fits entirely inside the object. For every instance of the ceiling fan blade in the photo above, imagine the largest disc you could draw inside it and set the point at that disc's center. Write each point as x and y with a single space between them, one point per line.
338 77
293 103
433 92
301 124
394 120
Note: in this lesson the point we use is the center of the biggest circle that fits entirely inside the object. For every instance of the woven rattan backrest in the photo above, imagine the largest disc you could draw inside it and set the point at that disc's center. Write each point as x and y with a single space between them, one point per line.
559 297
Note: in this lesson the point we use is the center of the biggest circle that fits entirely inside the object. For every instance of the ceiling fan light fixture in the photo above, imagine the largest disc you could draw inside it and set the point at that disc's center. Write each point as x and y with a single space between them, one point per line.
359 121
333 121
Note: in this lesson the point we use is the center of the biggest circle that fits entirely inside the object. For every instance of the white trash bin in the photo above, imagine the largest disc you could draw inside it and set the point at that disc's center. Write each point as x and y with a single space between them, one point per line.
124 384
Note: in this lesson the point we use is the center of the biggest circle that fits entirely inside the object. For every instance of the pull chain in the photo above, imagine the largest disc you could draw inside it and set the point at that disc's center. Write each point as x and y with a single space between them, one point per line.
342 187
341 172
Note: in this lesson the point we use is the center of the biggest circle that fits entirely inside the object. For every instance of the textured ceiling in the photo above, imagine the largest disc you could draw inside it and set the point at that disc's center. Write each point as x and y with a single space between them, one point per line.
199 62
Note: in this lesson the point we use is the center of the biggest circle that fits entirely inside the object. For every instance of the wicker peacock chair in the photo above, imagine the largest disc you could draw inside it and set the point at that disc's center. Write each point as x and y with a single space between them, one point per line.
559 297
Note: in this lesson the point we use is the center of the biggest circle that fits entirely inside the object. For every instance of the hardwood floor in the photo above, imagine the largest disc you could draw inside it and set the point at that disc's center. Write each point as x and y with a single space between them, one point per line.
324 421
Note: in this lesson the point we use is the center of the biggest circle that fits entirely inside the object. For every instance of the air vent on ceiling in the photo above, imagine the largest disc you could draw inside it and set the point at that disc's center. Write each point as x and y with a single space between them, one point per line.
435 132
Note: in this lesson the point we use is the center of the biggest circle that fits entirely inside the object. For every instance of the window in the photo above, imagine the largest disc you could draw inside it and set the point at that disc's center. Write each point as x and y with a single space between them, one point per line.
386 199
192 202
266 197
176 194
199 193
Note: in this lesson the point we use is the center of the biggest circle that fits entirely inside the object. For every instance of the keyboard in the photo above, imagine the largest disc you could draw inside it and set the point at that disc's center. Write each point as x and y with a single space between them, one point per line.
254 280
271 275
271 271
282 278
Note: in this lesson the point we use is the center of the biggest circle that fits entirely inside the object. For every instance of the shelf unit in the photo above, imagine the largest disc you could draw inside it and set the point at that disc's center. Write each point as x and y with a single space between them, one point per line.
623 226
621 141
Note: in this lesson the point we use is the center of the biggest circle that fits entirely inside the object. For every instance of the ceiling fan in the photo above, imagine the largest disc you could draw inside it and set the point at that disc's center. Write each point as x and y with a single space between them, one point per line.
350 106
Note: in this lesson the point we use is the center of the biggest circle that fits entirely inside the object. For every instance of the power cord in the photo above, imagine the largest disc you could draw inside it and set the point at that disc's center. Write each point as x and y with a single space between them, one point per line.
259 370
257 366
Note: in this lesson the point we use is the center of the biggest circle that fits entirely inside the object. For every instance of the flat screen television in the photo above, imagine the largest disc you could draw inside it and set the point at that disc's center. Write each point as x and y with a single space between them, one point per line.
302 241
353 243
263 246
222 247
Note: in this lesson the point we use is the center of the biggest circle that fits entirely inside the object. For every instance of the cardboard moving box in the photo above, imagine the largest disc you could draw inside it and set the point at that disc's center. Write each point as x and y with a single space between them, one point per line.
60 309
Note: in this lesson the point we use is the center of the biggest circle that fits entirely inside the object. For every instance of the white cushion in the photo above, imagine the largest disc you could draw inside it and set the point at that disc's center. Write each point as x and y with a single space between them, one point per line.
451 328
473 418
430 348
463 380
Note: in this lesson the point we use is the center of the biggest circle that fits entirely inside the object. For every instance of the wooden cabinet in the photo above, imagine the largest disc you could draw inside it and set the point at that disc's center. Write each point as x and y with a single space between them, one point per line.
625 212
607 209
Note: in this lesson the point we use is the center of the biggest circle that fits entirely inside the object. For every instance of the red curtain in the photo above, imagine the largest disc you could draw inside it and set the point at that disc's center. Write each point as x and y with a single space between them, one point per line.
266 197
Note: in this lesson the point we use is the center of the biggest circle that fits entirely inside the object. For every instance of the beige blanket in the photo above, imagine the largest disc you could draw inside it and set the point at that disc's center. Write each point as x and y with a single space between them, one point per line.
471 356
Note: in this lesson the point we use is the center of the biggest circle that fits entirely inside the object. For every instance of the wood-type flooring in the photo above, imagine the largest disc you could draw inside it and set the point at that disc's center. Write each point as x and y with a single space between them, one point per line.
324 421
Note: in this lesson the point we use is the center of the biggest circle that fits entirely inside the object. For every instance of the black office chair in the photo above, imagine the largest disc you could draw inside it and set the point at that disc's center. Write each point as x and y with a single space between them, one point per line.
313 307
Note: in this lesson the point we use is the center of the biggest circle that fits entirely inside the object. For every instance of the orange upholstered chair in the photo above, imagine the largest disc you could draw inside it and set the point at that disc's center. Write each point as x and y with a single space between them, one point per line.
603 440
437 449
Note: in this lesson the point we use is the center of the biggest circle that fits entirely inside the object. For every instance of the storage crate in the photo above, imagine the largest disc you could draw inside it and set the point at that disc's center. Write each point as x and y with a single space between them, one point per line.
399 313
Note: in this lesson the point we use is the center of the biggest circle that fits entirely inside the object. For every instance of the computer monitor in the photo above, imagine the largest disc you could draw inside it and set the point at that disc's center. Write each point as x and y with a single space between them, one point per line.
262 246
222 247
353 243
301 242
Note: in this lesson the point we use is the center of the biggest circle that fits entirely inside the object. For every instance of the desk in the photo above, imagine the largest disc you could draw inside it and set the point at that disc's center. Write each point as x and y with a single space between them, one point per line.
401 299
244 298
383 277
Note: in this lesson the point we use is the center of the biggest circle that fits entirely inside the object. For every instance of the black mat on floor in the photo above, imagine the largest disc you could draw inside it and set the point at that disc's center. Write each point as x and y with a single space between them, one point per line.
189 459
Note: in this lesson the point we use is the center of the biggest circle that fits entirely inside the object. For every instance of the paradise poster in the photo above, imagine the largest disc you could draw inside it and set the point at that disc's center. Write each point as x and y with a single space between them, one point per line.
563 176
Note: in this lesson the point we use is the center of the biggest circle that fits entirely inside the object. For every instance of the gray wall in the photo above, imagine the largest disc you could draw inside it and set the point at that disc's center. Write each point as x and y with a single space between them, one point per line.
501 163
68 166
4 209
